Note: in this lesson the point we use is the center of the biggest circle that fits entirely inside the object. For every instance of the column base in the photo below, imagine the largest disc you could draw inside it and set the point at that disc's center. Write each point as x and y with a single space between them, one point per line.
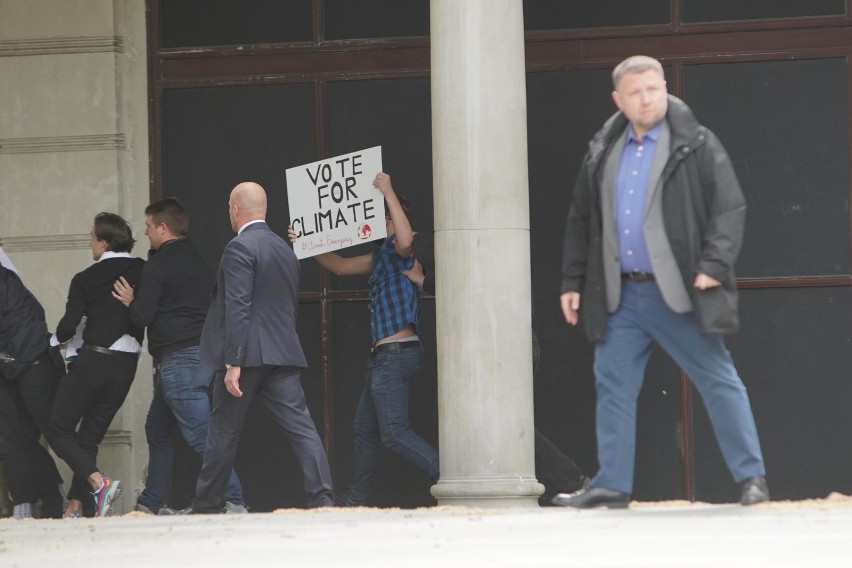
488 491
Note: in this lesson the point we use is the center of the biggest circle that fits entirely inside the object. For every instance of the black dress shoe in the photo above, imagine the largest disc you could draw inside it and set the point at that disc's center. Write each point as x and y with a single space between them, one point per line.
754 491
593 497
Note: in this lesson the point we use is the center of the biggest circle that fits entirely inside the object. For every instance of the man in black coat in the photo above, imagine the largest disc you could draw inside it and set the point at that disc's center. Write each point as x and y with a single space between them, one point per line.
172 301
250 339
29 373
100 377
652 236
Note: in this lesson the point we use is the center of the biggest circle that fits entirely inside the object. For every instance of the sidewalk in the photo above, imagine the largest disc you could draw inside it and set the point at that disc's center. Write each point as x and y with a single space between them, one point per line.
804 534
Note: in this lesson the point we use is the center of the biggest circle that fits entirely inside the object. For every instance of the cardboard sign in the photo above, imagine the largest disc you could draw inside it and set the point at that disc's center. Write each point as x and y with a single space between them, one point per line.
333 204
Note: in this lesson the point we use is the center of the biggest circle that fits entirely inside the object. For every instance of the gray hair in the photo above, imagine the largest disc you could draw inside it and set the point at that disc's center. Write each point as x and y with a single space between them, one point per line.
635 64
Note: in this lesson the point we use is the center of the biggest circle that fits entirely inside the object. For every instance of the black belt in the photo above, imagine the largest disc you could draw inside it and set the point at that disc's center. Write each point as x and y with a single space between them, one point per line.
105 351
637 276
394 346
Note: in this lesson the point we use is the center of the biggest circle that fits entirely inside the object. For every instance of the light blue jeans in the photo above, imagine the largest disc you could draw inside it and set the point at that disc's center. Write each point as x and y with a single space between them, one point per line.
180 397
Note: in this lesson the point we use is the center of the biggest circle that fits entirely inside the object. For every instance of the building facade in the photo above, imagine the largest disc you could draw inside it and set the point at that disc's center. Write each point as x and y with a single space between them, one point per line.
106 104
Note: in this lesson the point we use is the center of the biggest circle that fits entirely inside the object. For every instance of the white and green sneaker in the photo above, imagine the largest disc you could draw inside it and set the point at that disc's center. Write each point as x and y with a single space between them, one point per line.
105 496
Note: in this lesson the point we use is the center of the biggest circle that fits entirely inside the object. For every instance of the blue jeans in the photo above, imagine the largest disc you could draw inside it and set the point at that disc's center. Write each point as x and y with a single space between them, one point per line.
382 418
642 318
180 397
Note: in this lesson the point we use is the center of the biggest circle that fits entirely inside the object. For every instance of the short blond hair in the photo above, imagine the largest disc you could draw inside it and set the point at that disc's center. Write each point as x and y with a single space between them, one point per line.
636 64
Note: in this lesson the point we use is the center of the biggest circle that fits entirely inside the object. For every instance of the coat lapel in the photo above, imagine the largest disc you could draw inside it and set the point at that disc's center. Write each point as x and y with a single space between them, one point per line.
661 157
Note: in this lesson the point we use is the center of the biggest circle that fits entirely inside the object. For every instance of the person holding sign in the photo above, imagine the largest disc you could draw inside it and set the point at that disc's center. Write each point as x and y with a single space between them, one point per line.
382 413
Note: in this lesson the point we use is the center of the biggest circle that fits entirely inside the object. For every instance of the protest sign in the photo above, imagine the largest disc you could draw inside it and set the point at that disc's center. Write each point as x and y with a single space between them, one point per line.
333 204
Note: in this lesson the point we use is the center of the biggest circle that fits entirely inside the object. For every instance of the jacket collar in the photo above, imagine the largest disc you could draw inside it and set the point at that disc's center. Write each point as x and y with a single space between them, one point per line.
251 225
683 125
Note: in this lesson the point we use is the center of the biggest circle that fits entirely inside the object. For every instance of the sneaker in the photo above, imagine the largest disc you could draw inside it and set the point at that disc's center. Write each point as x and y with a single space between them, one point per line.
23 511
105 496
234 509
140 508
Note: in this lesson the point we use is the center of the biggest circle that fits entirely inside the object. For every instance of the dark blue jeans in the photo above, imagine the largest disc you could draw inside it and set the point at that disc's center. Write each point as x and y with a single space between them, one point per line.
382 418
180 398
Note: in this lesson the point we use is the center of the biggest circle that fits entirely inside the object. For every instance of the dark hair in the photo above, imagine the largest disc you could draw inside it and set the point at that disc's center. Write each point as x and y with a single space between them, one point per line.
115 231
169 211
404 203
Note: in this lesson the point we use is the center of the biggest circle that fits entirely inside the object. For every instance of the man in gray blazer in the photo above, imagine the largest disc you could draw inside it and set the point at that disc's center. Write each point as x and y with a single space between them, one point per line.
250 339
653 233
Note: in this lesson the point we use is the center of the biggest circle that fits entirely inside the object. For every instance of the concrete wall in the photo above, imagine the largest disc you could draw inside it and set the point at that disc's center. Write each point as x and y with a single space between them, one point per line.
74 142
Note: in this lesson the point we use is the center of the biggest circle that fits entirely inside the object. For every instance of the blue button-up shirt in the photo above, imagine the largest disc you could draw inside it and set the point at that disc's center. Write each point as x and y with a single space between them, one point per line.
631 189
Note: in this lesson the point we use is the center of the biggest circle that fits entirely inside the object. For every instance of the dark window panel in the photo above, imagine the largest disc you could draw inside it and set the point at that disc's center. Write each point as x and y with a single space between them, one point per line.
564 110
695 11
570 14
393 114
362 19
214 138
784 126
793 355
188 23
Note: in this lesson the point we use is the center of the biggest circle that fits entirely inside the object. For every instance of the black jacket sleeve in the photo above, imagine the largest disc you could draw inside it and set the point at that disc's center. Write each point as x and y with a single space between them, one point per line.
575 248
75 308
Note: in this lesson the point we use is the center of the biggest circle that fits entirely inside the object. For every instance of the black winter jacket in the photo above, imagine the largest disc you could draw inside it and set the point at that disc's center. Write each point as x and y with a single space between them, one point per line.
703 210
23 331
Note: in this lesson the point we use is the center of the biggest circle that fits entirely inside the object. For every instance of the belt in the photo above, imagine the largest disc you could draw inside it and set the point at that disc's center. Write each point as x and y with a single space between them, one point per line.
637 276
394 346
105 351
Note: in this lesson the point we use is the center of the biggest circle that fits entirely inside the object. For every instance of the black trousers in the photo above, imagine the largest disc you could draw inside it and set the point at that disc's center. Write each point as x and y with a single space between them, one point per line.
280 388
553 468
89 394
25 405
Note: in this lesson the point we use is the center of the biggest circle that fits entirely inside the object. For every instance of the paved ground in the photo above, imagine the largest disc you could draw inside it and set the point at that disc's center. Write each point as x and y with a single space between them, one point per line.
805 534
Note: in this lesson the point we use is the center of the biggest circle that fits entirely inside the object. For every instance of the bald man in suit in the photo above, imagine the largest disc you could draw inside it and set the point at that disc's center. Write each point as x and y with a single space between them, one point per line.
250 339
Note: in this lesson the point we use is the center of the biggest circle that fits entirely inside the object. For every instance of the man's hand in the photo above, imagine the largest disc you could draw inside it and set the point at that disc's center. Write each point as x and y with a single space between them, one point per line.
702 281
232 381
123 291
383 183
415 274
291 234
570 302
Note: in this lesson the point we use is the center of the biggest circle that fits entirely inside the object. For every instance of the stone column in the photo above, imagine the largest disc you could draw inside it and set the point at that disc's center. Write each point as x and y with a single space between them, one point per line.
479 152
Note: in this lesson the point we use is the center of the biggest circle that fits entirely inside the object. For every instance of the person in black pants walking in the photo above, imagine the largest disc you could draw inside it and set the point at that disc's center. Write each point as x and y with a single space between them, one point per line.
99 379
29 373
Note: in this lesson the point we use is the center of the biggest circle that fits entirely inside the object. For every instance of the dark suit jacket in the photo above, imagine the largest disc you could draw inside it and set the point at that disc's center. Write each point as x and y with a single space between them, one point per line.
252 316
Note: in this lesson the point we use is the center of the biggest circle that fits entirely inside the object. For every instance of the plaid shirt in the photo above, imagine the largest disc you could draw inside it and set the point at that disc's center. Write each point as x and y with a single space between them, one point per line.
394 299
